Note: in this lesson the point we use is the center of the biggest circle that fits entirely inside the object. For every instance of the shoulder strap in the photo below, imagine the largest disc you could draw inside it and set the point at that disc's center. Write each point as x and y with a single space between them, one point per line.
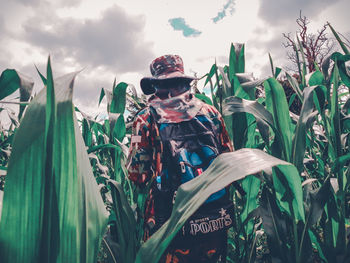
158 145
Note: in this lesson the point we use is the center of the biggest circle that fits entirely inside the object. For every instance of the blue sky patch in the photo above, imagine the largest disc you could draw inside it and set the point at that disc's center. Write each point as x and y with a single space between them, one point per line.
179 24
229 7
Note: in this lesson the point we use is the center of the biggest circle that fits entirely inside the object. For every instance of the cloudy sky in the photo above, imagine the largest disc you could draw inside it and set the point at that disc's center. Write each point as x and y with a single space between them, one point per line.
119 38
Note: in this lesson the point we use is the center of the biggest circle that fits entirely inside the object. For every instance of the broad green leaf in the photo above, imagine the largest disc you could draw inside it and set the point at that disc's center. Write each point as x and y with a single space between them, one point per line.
251 185
235 104
340 162
49 244
119 98
263 117
317 245
277 104
225 169
341 60
9 82
305 119
204 98
315 78
291 100
341 43
289 191
315 201
295 85
240 58
278 71
125 232
236 60
74 210
274 226
232 62
119 129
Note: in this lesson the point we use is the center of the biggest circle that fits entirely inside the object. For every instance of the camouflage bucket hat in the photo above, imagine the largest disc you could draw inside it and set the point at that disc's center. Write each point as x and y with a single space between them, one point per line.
164 68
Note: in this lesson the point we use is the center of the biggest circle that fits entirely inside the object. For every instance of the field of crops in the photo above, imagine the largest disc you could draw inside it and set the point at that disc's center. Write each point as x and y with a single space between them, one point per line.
65 195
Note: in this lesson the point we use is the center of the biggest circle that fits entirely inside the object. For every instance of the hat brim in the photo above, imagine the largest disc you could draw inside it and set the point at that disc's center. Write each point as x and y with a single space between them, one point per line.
148 82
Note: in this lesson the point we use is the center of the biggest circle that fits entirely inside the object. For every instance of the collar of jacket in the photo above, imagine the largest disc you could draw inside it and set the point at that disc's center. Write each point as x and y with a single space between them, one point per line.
176 109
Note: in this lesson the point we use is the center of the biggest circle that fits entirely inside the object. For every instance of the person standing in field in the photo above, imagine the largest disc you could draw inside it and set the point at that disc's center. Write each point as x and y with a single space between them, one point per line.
174 139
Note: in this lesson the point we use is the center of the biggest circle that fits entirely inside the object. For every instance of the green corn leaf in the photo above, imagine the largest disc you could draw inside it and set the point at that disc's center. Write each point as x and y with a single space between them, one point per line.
304 71
264 118
335 118
239 122
119 98
102 147
10 81
341 60
275 72
274 226
272 67
289 191
51 187
210 74
235 104
276 103
1 197
43 79
315 78
295 85
25 91
306 117
125 232
291 100
298 62
102 94
225 169
341 43
204 98
119 129
49 245
251 185
340 162
227 89
317 245
236 60
240 58
315 201
232 62
278 71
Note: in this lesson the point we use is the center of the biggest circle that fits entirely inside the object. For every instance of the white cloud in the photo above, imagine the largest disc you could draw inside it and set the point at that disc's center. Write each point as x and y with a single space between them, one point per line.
110 40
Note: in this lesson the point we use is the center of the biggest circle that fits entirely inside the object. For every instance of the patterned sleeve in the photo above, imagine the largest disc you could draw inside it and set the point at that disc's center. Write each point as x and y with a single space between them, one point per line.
224 137
141 151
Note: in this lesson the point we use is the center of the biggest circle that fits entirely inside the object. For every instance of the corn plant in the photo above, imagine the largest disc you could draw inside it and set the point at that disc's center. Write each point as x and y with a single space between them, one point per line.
52 211
295 176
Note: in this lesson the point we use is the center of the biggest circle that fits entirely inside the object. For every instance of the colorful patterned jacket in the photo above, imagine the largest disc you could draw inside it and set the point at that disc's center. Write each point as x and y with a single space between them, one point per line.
145 160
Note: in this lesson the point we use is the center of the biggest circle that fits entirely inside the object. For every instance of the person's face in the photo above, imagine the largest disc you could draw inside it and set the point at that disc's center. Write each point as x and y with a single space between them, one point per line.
171 88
